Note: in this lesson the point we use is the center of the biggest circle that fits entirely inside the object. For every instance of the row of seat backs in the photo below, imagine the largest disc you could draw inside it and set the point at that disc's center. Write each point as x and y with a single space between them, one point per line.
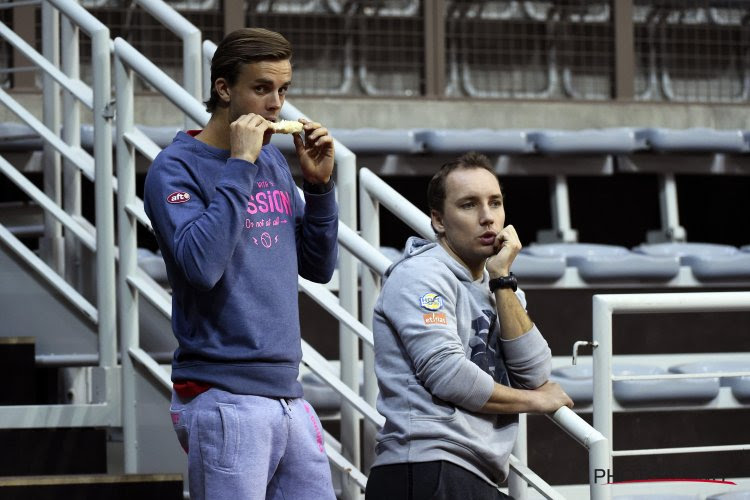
619 140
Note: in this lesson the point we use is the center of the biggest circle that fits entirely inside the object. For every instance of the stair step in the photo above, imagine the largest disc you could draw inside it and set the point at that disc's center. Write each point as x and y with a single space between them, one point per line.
17 364
30 452
85 487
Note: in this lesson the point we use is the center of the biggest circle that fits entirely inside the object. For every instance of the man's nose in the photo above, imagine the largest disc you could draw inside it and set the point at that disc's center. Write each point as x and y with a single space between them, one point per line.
274 100
486 216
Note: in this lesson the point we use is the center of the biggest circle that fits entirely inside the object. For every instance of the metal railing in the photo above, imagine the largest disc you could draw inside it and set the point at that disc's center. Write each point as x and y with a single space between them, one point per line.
604 307
372 192
64 212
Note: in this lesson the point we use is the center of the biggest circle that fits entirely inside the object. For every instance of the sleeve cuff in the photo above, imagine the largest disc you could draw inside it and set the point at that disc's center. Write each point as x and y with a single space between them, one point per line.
317 188
479 393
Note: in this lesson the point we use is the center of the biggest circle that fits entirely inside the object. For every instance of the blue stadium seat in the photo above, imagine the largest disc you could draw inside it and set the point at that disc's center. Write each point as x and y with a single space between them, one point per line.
740 385
696 140
577 381
483 140
367 141
660 391
622 140
153 265
708 261
531 267
596 262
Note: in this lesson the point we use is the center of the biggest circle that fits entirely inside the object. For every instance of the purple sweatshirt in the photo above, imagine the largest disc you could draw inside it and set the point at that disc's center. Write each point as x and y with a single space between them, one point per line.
234 236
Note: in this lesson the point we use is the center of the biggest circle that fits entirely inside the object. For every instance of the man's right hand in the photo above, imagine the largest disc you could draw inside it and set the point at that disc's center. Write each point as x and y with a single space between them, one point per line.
246 135
549 398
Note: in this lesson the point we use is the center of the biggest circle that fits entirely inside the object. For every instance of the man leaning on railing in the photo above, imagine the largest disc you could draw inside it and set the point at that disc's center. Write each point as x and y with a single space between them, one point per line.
456 355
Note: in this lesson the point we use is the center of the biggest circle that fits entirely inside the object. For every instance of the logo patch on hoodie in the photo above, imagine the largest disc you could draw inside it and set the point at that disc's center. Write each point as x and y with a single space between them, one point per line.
178 197
435 319
431 301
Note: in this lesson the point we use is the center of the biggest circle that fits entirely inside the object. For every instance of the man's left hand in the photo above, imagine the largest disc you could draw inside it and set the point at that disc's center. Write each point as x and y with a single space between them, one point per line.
315 152
508 245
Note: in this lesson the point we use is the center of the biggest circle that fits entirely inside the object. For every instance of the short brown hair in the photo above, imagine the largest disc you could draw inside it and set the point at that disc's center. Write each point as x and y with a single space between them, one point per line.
244 46
436 187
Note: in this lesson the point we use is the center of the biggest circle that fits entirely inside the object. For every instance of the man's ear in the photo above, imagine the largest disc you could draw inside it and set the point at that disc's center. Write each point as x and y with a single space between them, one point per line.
221 86
436 220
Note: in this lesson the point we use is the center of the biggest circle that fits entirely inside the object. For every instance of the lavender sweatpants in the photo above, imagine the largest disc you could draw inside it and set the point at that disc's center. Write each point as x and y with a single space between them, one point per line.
251 447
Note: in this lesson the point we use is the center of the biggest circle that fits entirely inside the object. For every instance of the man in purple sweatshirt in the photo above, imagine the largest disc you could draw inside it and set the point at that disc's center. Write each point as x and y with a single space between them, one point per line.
235 234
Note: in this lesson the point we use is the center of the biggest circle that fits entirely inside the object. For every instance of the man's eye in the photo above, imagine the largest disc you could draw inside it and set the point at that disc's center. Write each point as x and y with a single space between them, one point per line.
496 204
467 205
261 89
283 90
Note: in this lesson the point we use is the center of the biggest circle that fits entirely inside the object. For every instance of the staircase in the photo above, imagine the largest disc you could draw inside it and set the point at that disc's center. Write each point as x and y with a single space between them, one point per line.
68 462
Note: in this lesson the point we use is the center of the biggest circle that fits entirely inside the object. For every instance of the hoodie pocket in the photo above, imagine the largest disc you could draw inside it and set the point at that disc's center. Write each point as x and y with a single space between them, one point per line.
424 406
219 435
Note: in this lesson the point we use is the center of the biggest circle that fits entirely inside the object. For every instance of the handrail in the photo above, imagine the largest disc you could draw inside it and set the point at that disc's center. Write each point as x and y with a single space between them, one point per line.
76 87
50 276
158 79
47 204
604 307
191 44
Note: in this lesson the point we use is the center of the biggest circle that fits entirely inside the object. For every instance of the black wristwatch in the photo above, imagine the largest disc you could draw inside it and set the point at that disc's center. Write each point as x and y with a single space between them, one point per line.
504 282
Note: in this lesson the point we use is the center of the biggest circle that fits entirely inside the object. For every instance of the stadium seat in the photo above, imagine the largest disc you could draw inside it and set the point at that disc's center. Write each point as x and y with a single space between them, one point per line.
484 140
623 140
696 140
154 265
660 391
596 262
531 267
708 261
367 141
740 385
577 381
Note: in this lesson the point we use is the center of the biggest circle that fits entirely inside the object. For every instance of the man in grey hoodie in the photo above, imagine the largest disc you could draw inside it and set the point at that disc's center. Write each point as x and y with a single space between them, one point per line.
456 355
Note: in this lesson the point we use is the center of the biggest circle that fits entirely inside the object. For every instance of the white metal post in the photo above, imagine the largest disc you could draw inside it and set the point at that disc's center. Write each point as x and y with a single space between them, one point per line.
71 136
602 333
191 47
668 208
346 180
51 244
127 235
560 207
369 223
105 237
517 487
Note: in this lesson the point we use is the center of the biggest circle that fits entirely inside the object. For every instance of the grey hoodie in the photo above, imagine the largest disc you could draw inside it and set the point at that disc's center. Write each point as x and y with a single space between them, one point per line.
438 353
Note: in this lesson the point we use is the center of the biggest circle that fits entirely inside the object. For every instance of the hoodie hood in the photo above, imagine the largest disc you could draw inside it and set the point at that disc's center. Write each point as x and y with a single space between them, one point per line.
420 247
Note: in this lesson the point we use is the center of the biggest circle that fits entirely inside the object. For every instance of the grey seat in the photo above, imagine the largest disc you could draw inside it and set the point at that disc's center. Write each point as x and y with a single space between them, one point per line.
660 391
531 267
320 395
708 261
484 140
596 262
696 140
153 265
740 385
621 140
380 141
577 381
